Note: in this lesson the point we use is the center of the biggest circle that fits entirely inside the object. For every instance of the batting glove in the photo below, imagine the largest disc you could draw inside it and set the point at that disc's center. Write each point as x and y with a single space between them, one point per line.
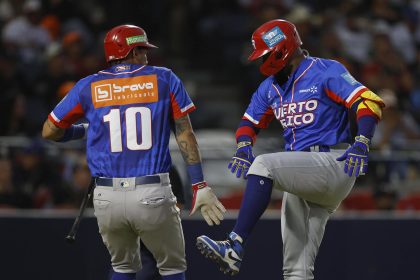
356 157
242 159
205 200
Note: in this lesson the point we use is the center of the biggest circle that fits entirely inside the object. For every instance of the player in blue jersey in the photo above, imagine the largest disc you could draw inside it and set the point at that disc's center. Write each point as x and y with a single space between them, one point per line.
312 98
130 109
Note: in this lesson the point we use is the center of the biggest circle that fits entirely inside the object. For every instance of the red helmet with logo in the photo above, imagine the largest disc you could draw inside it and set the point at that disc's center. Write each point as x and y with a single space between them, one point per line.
120 40
279 37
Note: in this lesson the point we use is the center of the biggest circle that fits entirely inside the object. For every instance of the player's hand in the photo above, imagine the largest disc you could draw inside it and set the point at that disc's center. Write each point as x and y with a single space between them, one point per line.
356 157
205 200
242 159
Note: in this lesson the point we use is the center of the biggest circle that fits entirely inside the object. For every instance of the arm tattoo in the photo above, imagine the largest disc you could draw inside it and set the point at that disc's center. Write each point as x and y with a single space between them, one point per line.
186 141
51 131
52 127
181 125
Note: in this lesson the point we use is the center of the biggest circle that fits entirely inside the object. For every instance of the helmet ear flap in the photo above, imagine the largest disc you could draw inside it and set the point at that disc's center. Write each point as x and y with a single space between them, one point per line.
279 54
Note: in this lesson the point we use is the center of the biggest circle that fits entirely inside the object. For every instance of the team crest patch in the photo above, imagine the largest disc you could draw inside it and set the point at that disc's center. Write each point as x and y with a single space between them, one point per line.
349 78
273 37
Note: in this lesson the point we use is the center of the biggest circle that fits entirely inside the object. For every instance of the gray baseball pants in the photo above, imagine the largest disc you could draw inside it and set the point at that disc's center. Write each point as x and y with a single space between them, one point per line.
314 185
127 212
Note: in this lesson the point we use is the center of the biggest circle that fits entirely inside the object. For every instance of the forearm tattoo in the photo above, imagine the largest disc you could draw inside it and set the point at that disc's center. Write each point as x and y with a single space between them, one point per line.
52 127
186 141
56 131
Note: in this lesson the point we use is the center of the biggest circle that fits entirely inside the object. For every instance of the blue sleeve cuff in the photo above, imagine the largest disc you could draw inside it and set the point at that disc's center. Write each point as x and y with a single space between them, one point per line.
366 126
74 132
195 172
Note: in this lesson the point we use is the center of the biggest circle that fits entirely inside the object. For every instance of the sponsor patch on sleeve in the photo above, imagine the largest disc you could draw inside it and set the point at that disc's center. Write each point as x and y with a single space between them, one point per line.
349 78
273 37
123 91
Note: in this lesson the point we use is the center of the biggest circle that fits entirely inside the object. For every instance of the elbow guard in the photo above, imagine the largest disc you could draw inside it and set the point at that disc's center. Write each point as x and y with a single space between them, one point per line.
370 104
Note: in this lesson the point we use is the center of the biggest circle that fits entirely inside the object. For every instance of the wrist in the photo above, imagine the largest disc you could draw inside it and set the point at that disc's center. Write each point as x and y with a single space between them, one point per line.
244 138
366 126
74 132
195 171
199 185
363 142
243 144
363 139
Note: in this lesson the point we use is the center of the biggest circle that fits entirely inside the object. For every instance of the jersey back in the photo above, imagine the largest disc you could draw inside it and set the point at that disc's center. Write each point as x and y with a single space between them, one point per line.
130 110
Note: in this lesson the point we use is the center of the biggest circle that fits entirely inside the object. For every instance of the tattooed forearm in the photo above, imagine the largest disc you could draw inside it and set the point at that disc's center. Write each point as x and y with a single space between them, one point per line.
182 124
186 140
52 132
189 152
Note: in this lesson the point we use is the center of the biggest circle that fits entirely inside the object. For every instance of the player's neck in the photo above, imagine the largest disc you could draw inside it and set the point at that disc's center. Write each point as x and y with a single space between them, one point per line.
296 60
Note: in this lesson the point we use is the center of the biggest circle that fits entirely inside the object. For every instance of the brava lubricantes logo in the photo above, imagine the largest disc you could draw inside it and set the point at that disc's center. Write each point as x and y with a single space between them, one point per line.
103 93
122 91
296 113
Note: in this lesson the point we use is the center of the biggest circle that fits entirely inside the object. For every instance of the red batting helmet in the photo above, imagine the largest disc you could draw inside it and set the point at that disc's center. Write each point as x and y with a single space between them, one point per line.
120 40
279 37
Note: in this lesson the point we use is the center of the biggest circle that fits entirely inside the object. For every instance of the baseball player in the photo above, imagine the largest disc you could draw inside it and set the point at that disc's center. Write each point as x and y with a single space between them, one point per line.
312 98
130 108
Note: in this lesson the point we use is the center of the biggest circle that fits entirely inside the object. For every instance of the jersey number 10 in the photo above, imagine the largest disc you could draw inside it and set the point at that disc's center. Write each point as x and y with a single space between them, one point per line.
115 133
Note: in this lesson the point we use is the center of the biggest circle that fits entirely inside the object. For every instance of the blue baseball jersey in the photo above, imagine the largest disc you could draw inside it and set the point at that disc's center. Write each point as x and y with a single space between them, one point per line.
312 106
130 110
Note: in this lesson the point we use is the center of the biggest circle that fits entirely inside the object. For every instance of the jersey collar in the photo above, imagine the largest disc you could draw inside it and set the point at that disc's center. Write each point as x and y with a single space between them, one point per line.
297 72
122 69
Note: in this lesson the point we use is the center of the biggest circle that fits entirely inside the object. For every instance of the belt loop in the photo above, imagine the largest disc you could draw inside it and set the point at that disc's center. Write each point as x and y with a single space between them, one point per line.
314 148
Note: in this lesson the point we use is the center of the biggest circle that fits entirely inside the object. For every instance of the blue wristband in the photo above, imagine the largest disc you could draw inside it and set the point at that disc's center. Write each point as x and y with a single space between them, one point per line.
366 126
73 132
196 173
244 138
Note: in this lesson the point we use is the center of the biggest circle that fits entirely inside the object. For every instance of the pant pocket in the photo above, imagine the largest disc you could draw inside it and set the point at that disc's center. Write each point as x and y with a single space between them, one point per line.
101 200
154 206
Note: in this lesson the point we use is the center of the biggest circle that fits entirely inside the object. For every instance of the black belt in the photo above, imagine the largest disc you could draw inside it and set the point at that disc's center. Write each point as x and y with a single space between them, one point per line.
143 180
317 148
325 148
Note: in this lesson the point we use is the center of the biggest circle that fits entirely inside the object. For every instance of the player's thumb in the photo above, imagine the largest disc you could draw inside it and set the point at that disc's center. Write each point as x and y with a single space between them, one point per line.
193 208
342 157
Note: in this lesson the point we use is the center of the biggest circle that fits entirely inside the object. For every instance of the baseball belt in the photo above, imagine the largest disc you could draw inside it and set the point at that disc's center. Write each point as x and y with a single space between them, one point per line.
325 148
123 182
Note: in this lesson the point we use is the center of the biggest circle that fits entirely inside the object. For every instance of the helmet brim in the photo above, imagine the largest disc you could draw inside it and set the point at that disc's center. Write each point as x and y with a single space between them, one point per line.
257 54
148 45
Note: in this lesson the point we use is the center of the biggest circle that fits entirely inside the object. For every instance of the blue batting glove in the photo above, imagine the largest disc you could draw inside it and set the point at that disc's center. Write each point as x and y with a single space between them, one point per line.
242 159
356 157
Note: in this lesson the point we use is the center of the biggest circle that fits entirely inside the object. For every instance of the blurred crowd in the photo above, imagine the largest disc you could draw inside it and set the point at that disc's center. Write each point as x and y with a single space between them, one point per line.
47 45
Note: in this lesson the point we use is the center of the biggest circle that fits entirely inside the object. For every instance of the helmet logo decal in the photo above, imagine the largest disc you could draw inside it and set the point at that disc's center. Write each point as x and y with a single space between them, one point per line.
273 37
136 39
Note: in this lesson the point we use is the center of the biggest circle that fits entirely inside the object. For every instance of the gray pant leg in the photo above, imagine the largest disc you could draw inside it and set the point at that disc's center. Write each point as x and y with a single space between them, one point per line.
315 177
121 241
167 246
303 225
156 220
314 185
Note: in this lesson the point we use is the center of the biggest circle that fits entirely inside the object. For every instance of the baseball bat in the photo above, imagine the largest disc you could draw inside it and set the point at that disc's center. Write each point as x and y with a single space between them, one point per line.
71 237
